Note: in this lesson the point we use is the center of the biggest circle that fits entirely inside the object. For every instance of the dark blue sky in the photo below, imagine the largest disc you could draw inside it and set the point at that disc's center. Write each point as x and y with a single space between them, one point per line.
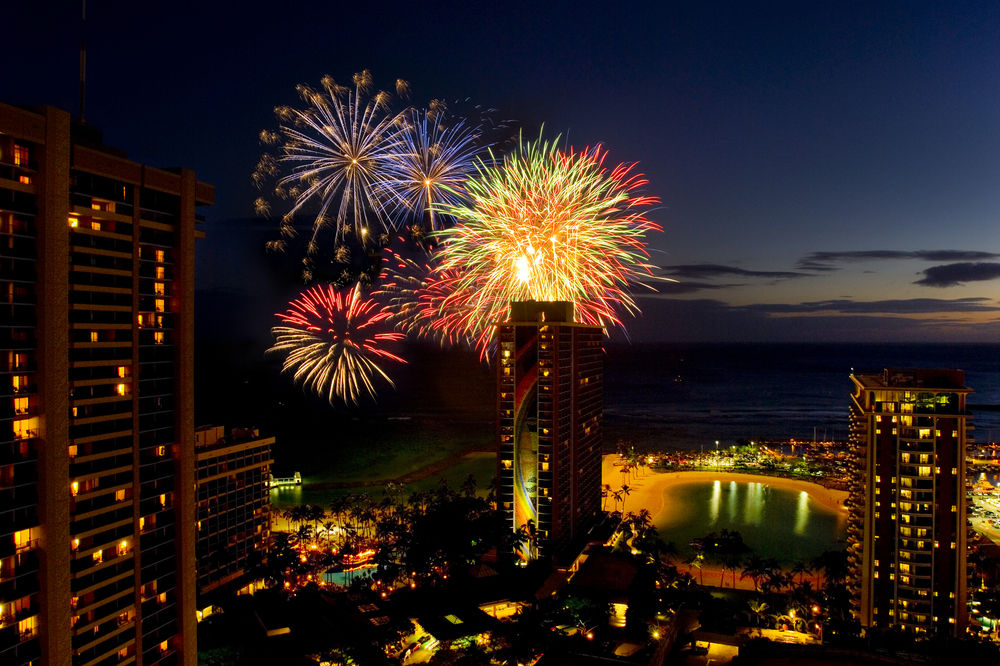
828 171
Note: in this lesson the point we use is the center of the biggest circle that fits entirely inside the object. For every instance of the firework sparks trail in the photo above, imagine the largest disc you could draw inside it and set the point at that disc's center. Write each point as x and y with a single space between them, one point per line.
543 224
332 340
339 148
434 157
415 294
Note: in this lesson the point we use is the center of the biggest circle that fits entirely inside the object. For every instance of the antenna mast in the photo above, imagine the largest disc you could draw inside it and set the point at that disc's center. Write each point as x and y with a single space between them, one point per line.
83 65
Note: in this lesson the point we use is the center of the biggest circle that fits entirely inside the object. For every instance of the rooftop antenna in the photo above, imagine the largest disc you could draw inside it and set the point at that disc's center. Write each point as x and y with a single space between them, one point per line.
83 64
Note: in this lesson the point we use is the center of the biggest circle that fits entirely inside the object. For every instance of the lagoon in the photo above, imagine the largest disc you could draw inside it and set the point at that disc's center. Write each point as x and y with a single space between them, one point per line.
786 524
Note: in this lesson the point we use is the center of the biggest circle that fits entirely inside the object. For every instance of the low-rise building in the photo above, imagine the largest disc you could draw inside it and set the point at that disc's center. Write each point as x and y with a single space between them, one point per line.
233 505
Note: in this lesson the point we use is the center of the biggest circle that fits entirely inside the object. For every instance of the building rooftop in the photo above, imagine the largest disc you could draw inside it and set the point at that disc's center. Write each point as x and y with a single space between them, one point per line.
929 378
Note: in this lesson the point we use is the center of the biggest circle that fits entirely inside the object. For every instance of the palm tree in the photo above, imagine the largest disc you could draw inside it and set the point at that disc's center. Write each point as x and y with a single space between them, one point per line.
328 528
643 520
729 562
800 569
468 487
605 494
696 561
774 580
756 569
301 535
626 491
759 608
315 514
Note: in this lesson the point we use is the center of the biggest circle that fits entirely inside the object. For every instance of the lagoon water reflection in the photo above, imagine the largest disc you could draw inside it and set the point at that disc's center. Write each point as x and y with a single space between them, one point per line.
784 524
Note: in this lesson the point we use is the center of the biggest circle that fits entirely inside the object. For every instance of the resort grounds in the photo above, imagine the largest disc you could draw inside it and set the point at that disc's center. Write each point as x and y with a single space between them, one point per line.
650 490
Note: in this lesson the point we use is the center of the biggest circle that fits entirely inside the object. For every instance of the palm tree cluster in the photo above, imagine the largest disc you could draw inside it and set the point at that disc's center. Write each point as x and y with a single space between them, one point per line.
800 598
411 538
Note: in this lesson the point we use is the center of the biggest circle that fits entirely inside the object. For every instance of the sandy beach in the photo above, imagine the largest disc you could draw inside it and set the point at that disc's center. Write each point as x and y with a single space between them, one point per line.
648 490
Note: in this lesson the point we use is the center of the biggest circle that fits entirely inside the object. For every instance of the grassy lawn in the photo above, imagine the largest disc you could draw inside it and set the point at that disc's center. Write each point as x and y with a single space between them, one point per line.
482 466
365 451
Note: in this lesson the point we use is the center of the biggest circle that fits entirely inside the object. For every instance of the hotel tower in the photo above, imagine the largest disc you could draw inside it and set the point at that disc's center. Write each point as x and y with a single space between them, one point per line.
550 403
96 434
907 526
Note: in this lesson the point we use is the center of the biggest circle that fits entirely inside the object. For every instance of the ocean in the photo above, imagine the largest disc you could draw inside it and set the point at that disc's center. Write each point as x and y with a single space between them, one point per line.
656 396
689 396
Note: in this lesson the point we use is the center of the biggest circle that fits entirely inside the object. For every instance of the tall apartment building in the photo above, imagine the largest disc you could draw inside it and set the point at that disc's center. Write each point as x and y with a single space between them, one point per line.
907 528
550 409
97 433
233 505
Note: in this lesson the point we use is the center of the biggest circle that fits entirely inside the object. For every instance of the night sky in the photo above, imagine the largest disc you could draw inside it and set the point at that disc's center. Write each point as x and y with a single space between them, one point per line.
827 171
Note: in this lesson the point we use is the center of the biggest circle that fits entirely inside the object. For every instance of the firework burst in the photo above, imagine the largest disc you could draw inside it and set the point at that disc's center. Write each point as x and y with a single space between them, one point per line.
330 157
332 341
416 293
435 156
544 224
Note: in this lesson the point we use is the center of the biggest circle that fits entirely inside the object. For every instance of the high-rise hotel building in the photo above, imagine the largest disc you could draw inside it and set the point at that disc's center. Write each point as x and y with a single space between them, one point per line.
907 526
97 431
550 403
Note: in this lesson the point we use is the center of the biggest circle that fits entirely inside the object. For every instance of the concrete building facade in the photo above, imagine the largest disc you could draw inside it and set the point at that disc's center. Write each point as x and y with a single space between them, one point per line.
550 411
908 539
233 504
97 434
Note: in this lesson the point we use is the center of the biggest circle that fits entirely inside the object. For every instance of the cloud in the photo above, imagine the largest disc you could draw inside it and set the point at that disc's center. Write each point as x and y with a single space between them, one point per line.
951 275
824 261
700 271
675 288
901 307
708 320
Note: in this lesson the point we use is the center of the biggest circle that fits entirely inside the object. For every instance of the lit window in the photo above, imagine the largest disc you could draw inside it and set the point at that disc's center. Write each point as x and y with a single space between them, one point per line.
163 500
142 522
161 273
75 411
74 487
139 320
161 256
122 371
162 597
24 180
20 405
121 388
122 548
161 305
163 646
98 556
95 225
72 450
22 539
74 222
94 336
20 155
159 288
161 451
76 544
120 495
158 337
28 626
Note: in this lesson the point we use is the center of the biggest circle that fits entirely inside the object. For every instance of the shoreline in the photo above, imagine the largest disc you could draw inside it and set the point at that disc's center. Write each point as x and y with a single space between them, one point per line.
648 491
